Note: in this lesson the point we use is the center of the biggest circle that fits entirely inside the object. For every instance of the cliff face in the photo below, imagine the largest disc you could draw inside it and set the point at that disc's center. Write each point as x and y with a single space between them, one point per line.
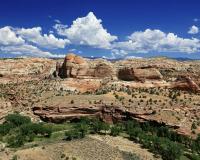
145 71
77 67
105 112
139 74
186 83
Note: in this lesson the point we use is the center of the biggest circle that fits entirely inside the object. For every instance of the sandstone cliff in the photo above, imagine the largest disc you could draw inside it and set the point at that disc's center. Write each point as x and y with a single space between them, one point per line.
77 67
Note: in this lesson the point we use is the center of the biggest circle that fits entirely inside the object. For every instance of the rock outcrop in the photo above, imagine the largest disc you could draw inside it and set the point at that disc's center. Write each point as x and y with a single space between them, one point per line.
105 112
186 83
77 67
25 69
139 74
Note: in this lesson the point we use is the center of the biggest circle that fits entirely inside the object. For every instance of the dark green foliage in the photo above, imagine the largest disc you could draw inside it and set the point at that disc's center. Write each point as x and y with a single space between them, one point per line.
156 137
82 128
155 141
5 128
196 144
16 140
116 130
169 150
193 156
19 129
72 134
35 129
105 127
17 119
79 130
96 125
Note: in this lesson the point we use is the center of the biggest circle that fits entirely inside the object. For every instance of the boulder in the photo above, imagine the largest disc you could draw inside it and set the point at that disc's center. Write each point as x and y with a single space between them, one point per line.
141 74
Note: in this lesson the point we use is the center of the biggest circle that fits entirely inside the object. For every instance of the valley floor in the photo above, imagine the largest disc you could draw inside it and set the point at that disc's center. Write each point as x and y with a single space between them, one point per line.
100 147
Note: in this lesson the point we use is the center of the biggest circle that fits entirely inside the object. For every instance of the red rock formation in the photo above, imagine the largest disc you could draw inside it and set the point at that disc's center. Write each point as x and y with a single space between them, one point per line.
106 113
186 83
130 74
77 67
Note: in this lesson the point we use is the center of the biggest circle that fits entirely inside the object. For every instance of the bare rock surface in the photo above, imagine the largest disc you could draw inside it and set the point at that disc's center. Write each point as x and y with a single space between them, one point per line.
25 69
77 67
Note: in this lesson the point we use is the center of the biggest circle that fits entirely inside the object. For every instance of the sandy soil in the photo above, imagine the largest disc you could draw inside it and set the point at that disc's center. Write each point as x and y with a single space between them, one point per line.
90 148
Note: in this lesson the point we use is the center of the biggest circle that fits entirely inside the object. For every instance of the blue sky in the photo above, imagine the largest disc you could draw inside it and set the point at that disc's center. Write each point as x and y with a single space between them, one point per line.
110 28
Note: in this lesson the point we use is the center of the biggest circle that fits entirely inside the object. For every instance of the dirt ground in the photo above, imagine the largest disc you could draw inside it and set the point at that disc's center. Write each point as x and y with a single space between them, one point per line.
97 147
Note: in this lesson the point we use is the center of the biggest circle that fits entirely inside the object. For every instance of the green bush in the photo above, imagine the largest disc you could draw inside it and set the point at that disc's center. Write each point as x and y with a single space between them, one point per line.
72 134
36 129
17 119
105 127
115 130
5 128
19 129
82 128
16 140
96 125
196 144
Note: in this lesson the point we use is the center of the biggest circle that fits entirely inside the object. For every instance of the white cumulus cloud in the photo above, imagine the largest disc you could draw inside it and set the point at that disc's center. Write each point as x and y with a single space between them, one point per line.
25 50
12 43
193 30
60 28
34 35
157 41
8 37
87 31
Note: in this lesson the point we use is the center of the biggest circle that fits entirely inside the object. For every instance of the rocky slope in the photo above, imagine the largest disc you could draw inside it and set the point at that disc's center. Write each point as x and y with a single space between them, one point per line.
131 70
25 69
146 89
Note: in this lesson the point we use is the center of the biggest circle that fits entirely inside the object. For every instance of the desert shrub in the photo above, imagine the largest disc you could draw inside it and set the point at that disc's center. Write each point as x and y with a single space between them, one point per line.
14 157
96 125
5 128
15 141
105 127
72 102
36 129
193 126
196 144
193 156
17 119
82 128
115 131
72 134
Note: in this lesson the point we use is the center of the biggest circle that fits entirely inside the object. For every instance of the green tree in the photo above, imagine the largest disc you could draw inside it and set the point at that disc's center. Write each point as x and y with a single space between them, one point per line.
115 130
16 140
83 129
17 119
